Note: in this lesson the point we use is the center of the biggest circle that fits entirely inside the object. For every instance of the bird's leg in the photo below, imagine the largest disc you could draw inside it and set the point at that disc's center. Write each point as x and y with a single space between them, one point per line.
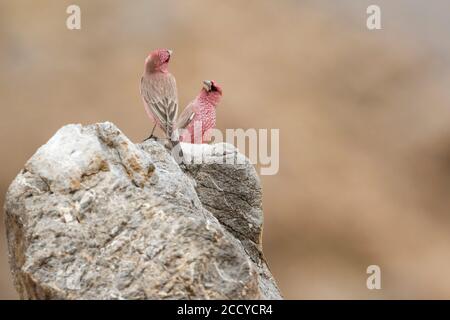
151 135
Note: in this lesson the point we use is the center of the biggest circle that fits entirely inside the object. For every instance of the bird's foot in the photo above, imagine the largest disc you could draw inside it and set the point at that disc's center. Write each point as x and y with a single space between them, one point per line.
151 137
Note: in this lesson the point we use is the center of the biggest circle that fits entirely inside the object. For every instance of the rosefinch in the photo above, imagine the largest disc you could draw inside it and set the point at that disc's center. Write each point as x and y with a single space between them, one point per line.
201 111
159 93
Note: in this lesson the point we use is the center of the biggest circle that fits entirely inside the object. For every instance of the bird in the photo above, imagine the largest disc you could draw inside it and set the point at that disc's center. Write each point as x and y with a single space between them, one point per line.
159 94
200 113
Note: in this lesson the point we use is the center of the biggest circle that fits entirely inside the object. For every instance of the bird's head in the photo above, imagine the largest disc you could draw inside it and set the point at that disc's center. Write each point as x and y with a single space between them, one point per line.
158 60
212 91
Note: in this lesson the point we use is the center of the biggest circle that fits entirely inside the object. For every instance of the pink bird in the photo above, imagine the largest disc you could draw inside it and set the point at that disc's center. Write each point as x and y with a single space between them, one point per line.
159 93
200 113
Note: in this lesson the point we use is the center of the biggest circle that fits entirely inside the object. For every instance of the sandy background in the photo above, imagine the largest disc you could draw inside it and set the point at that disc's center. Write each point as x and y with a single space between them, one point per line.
364 119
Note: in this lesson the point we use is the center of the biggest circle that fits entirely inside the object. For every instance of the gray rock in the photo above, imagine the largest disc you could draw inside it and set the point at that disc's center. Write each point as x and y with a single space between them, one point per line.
94 216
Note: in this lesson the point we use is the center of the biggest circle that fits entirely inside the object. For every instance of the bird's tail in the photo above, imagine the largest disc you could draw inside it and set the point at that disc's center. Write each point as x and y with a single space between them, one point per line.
177 151
174 145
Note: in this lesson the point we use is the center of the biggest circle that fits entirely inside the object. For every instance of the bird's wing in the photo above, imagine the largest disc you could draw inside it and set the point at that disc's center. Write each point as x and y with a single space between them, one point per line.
161 98
165 110
186 116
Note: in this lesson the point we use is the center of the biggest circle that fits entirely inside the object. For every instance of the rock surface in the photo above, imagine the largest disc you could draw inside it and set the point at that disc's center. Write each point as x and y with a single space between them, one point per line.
94 216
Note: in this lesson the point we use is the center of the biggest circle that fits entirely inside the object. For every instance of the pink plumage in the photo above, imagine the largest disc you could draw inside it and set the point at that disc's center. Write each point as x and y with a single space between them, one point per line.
159 91
200 115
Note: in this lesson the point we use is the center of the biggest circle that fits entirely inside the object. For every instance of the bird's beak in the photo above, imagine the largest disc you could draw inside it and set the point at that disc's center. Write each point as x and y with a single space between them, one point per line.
207 85
170 52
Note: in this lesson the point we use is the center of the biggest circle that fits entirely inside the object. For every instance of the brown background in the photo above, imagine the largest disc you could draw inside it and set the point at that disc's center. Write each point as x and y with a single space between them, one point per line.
363 116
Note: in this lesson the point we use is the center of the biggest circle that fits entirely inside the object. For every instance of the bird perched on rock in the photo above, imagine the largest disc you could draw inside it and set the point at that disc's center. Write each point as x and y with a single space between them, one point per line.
200 113
159 93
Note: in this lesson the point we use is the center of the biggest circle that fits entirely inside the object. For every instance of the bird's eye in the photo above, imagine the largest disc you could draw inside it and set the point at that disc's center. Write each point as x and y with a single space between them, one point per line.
213 88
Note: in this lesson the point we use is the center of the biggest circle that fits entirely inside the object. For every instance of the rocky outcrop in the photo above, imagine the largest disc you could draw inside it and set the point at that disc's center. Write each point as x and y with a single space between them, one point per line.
94 216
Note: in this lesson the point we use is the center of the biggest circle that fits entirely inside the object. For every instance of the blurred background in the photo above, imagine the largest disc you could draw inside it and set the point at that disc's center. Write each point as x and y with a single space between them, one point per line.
364 119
